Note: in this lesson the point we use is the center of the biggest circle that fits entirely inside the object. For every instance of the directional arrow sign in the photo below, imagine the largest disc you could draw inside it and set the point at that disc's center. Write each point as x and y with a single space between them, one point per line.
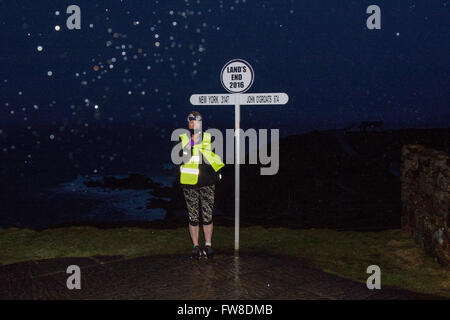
243 99
263 98
212 99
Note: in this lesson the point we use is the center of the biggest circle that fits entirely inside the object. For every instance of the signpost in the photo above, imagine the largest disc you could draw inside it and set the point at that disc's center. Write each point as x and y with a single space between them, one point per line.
237 77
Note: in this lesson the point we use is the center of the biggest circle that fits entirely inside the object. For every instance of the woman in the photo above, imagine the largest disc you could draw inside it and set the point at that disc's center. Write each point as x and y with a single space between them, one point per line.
200 171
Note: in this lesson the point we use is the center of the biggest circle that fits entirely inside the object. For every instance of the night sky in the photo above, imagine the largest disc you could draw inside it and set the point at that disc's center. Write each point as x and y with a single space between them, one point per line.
136 63
151 55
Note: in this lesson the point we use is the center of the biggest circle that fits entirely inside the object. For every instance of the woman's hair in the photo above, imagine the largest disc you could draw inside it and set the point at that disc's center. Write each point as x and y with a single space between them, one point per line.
196 113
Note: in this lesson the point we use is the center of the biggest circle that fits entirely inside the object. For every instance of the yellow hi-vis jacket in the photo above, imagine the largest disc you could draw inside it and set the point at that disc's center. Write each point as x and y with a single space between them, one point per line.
190 170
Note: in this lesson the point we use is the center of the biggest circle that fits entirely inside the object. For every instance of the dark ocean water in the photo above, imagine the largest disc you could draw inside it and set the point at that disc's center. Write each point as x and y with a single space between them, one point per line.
72 202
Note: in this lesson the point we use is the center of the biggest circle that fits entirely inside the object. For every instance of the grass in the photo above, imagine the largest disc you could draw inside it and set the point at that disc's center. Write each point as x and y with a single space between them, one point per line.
348 254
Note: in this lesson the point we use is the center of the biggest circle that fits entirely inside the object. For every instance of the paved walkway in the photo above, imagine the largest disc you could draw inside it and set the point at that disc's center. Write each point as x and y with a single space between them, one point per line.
180 277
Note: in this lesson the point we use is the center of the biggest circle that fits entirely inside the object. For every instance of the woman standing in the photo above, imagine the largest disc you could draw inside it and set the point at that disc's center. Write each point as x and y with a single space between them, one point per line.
200 171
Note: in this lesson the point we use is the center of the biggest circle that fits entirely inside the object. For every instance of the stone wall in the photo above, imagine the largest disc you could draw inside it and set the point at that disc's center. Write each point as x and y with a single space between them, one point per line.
426 199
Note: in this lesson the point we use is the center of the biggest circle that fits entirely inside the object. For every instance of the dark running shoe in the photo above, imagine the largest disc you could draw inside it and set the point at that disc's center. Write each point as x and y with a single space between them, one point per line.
208 252
196 252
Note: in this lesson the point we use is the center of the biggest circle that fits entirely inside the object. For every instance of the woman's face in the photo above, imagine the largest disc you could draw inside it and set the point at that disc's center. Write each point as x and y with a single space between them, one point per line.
195 124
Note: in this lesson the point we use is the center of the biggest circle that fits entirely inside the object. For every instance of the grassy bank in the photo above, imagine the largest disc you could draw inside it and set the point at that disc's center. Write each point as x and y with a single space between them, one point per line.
403 264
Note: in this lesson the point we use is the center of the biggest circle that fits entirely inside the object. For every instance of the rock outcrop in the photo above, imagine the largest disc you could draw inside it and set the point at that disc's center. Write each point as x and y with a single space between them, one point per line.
425 195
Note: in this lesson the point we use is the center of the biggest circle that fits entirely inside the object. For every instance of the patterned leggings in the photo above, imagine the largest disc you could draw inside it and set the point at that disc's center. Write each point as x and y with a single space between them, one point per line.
195 197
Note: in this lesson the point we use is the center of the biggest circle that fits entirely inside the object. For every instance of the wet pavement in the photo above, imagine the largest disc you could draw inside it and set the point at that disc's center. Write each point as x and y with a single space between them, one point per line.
179 277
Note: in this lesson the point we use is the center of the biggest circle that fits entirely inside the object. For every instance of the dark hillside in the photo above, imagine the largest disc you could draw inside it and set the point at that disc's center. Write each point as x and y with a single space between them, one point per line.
333 179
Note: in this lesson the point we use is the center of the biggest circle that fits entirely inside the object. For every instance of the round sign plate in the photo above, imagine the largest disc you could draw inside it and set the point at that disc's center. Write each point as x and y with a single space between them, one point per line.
237 76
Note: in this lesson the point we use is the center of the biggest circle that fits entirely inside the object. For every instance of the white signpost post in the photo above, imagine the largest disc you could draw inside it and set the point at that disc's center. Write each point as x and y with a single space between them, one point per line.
237 77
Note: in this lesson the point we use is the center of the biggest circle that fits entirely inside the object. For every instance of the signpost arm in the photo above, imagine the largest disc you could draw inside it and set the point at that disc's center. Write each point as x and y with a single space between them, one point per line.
237 126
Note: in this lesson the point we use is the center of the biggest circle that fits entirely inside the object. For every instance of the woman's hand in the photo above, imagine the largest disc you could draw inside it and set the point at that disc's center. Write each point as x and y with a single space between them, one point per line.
219 174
